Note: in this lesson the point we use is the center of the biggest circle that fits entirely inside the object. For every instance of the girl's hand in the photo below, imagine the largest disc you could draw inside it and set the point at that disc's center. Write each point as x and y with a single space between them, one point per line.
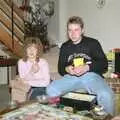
35 67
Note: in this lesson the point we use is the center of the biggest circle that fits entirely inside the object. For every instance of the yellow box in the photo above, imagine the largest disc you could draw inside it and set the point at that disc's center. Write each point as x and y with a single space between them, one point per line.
78 61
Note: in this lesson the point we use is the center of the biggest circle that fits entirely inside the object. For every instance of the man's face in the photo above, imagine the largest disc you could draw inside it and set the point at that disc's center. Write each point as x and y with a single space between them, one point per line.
75 32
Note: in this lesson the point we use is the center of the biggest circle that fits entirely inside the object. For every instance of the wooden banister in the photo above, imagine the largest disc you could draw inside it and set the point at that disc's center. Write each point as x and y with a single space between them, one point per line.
7 21
7 10
6 39
11 27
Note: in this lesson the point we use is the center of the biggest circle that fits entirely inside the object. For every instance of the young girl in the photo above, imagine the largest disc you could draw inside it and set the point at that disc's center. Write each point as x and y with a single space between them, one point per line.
33 69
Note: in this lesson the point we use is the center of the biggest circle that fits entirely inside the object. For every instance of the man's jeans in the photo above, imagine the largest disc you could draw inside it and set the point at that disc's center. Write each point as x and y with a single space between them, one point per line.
91 82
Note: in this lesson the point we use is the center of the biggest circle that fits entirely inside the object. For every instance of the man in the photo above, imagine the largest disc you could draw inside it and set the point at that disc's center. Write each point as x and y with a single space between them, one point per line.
82 63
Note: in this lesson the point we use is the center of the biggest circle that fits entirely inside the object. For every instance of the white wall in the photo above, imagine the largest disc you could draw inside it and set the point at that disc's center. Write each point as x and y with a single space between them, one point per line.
53 25
57 24
4 70
3 75
102 24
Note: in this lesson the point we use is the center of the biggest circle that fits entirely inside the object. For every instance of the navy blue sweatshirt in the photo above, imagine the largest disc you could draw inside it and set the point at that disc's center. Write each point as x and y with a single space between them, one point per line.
89 49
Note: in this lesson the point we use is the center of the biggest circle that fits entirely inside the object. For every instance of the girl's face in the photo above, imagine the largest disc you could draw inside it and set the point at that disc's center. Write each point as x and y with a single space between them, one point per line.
31 51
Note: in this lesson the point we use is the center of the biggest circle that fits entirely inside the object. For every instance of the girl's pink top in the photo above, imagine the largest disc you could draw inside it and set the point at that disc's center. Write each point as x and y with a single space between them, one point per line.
39 79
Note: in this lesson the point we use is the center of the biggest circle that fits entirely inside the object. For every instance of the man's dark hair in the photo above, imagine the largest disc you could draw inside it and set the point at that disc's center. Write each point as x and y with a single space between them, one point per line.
76 20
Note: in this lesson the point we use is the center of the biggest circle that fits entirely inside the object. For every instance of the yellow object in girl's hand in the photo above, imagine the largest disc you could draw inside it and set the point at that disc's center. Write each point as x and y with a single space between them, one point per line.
78 61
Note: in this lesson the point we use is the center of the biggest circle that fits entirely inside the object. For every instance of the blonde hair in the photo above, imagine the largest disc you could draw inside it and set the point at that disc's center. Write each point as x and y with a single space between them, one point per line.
29 41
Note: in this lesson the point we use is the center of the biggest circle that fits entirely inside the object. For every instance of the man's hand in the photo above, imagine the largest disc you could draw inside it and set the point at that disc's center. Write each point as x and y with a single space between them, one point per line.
80 70
70 70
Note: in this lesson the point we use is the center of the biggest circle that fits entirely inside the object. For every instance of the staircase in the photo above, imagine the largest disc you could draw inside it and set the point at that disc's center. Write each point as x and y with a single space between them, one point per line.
11 28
